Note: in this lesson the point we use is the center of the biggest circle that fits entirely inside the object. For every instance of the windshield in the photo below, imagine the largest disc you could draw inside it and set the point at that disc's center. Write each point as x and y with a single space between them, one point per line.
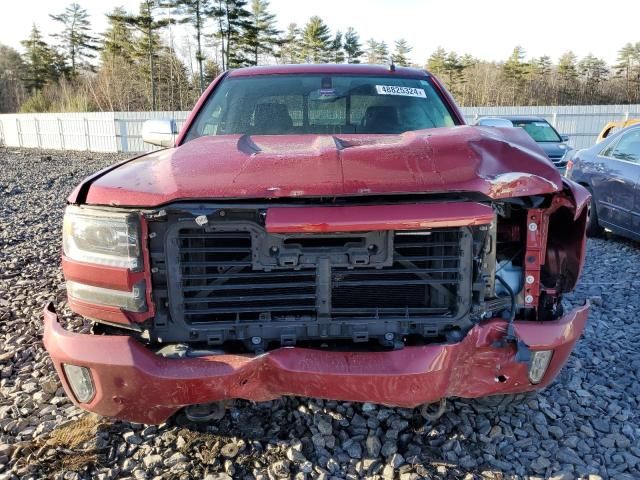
320 104
540 130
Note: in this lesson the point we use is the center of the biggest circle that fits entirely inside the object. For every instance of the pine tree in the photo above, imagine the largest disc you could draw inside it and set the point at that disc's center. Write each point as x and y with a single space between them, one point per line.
316 41
377 52
11 74
593 70
453 68
262 35
628 68
233 24
174 88
117 40
75 36
337 52
541 66
194 13
515 70
39 62
436 62
211 70
149 45
352 46
290 50
400 55
567 68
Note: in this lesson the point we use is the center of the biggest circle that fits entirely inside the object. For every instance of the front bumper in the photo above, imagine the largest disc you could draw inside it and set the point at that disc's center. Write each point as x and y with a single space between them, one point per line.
133 383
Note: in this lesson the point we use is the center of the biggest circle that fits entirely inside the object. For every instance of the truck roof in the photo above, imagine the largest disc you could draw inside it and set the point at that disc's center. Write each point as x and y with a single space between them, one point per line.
329 69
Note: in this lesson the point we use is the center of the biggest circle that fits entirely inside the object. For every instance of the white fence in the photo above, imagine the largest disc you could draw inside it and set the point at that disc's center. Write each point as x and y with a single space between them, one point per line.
581 123
120 131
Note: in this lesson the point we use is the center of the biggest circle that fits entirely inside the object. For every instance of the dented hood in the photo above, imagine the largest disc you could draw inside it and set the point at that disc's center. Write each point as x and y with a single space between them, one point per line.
492 161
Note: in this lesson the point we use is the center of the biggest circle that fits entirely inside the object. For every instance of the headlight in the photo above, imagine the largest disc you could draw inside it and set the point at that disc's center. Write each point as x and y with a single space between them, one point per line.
102 237
132 301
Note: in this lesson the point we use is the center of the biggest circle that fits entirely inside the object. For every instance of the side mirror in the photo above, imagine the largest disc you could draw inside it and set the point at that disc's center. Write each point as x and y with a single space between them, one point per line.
565 138
160 132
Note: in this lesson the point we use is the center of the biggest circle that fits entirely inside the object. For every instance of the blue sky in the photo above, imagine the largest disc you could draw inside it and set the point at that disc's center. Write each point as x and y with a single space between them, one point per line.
487 29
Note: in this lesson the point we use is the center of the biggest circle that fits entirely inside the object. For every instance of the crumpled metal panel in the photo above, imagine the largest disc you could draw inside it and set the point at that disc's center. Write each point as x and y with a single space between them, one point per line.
498 163
133 383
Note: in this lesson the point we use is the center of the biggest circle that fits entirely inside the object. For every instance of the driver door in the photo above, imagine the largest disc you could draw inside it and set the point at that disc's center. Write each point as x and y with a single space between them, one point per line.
618 187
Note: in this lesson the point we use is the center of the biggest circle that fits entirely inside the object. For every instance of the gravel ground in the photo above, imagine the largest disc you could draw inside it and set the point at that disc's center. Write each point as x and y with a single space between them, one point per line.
585 425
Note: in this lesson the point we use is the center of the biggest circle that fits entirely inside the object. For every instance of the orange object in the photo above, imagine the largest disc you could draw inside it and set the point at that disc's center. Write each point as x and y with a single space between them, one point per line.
611 127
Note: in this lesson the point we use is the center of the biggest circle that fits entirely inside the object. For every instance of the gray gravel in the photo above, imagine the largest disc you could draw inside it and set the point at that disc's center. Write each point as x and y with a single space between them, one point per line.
585 425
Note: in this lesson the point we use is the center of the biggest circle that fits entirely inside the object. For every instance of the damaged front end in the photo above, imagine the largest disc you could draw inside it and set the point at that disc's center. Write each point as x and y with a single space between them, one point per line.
262 277
395 302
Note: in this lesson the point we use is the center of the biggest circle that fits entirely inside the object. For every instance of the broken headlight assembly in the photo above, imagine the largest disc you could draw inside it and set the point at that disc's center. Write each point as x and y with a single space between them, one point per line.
102 237
132 301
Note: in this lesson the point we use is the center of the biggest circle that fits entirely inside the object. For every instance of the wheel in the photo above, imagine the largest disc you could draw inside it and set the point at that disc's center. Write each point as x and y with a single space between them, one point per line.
593 227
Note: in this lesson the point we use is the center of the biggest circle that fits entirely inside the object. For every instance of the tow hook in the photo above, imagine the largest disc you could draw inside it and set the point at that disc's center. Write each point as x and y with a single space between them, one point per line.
205 412
428 413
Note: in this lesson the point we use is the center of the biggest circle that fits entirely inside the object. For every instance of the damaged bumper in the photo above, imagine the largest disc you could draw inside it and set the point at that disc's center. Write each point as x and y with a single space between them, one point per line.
133 383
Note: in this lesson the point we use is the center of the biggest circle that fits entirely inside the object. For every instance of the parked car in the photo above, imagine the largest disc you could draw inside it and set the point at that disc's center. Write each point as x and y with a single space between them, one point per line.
553 144
330 231
494 122
611 171
613 127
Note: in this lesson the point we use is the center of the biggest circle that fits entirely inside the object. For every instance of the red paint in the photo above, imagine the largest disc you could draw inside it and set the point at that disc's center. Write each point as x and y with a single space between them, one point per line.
377 217
498 163
105 313
115 278
103 276
133 383
78 194
330 69
580 195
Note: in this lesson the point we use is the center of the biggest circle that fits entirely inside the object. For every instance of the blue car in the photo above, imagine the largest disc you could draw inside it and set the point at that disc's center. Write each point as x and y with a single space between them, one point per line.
547 137
611 171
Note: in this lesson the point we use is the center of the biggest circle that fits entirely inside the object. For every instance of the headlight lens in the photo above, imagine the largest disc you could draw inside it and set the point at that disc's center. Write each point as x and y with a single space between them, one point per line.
133 301
102 237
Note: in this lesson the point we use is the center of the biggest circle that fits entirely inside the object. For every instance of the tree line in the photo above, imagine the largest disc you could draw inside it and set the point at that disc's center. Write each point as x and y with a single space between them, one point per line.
538 81
138 64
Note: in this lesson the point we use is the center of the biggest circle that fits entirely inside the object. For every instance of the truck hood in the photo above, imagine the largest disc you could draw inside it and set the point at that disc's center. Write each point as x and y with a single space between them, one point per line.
494 162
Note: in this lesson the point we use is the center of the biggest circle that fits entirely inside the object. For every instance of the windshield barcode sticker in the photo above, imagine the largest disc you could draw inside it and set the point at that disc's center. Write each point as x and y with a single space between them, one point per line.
403 91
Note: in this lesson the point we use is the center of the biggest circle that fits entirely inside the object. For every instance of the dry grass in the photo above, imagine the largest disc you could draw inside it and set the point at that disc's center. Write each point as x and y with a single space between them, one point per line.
73 444
76 461
76 433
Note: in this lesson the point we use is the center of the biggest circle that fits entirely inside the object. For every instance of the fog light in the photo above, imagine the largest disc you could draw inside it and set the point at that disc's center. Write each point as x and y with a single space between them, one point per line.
538 364
80 381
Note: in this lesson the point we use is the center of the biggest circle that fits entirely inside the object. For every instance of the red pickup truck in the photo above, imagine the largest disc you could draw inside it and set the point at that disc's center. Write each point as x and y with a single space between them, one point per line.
331 231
